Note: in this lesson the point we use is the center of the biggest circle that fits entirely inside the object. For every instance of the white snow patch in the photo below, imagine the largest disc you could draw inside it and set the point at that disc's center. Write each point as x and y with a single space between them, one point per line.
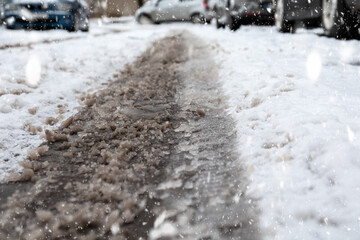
297 140
170 185
166 230
33 71
313 66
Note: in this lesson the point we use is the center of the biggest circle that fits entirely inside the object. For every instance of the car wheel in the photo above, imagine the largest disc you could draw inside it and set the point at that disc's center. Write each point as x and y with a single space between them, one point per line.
219 25
337 20
197 18
145 19
85 29
75 24
217 17
85 25
234 23
281 23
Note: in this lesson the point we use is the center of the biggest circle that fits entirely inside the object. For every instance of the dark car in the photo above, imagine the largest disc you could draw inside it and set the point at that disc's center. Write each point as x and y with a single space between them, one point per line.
234 13
71 15
339 18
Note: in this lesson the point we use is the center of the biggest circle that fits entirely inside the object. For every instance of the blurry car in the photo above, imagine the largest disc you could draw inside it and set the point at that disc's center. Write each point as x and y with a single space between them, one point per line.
234 13
157 11
339 18
71 15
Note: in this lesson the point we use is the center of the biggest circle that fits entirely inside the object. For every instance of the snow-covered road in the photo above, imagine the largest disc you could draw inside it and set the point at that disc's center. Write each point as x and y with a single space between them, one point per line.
44 74
295 100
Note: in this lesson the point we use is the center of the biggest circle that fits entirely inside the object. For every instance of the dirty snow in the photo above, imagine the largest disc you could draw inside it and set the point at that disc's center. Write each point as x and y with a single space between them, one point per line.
295 99
42 76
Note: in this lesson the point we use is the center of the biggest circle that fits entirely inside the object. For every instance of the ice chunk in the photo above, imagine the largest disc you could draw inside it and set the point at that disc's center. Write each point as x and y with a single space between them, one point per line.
170 184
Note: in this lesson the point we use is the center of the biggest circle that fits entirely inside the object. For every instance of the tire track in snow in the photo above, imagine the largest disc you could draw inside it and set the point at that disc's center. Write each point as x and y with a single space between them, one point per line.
152 156
204 196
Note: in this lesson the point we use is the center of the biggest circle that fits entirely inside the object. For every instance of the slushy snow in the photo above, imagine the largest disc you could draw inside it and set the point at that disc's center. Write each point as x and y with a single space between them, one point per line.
295 99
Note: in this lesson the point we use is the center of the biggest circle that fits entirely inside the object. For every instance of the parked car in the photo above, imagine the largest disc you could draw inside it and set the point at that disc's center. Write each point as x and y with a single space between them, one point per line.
339 18
234 13
44 14
157 11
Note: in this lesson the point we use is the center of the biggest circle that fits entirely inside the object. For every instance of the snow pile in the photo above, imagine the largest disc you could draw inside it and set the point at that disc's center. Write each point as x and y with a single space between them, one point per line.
295 99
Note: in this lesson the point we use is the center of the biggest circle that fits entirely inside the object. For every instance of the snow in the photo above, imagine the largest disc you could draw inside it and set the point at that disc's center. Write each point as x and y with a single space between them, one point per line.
294 98
50 70
162 228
